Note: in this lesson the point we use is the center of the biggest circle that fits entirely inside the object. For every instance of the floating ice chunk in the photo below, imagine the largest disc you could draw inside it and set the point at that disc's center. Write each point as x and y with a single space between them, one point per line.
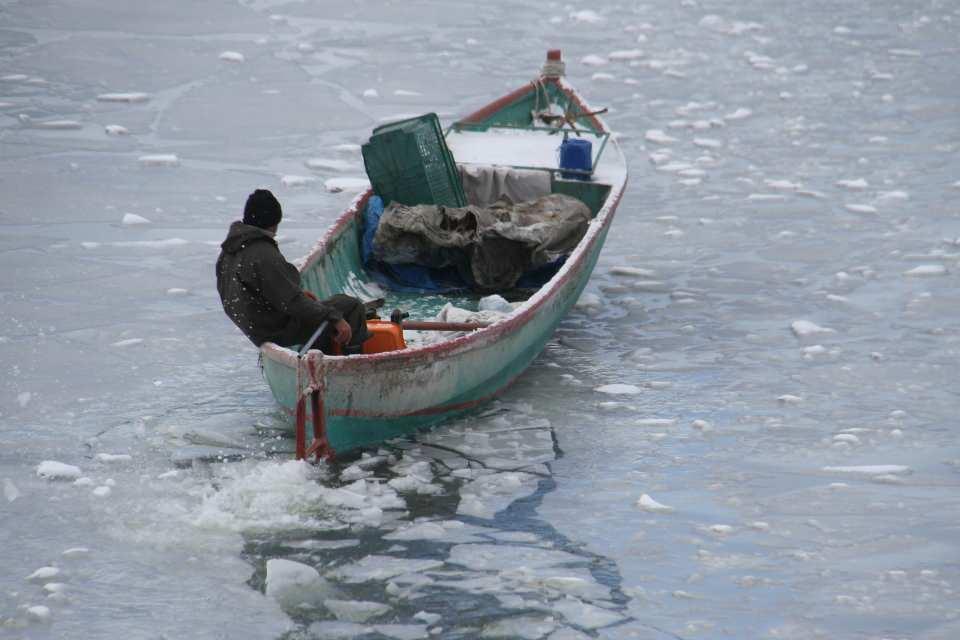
83 482
632 272
294 583
728 27
627 54
39 613
789 399
649 504
802 328
708 143
495 303
427 617
324 164
848 438
43 574
587 16
588 300
783 185
55 587
875 469
926 270
102 491
603 77
23 398
885 196
702 425
855 184
860 208
721 529
593 61
232 56
76 552
129 342
659 137
294 181
841 30
905 53
760 525
132 219
814 350
586 616
350 185
371 93
355 610
53 125
177 291
381 568
133 96
655 422
10 491
114 457
53 470
406 93
739 114
160 160
347 148
619 389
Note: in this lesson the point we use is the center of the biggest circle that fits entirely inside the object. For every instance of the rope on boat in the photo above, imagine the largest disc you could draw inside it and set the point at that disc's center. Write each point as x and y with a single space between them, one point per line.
315 389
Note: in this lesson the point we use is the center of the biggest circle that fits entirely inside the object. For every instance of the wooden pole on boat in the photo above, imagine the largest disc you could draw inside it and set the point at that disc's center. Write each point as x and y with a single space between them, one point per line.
426 325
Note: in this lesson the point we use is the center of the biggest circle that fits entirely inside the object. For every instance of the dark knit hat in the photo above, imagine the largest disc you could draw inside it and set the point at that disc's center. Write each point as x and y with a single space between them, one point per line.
262 210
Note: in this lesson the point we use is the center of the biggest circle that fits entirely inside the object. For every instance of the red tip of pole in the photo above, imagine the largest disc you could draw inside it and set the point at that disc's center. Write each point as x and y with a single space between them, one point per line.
554 55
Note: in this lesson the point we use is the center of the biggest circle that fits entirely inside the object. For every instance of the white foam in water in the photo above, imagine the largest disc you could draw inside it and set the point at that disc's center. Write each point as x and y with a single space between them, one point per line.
53 470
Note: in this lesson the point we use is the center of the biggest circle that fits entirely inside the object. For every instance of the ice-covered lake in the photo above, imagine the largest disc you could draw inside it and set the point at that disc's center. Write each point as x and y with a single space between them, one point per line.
746 429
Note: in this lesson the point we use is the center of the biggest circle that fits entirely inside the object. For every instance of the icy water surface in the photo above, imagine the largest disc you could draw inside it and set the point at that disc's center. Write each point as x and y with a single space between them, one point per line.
746 429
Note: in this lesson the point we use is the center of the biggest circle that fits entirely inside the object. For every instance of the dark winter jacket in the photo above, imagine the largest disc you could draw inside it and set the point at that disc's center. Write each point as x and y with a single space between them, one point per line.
261 291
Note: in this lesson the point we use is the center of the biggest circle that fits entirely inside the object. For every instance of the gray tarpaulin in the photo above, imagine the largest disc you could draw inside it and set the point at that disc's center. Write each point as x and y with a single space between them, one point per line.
484 185
495 245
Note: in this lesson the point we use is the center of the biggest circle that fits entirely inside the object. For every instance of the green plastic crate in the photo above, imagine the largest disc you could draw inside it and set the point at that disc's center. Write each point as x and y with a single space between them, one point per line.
409 162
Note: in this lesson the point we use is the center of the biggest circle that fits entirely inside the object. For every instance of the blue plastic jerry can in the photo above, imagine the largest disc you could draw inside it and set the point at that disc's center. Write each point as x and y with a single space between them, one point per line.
576 153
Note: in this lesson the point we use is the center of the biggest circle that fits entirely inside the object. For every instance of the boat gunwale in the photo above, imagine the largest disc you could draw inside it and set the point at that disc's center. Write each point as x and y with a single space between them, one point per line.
490 334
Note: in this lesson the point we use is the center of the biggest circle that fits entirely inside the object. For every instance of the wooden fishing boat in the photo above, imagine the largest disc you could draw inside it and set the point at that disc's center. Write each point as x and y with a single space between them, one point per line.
360 400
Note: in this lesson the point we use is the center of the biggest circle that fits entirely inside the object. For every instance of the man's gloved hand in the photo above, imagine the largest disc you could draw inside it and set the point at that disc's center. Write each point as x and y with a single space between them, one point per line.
342 332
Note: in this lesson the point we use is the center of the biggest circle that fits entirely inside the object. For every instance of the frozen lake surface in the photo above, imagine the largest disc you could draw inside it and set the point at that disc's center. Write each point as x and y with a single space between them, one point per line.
746 429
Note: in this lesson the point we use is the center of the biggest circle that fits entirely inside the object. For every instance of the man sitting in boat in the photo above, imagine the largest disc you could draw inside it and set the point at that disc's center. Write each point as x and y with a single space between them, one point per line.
261 291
